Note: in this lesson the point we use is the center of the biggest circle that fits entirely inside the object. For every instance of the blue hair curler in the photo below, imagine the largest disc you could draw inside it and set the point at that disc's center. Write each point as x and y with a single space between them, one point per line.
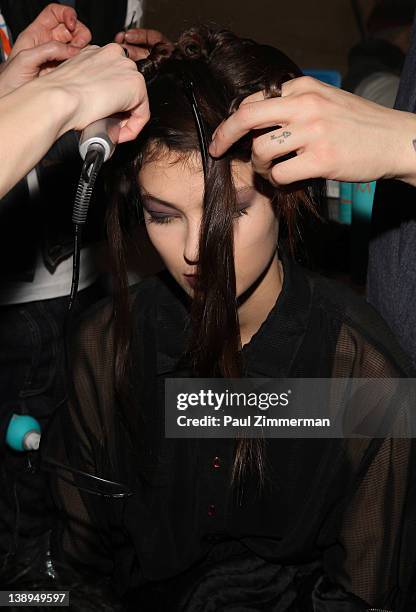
23 433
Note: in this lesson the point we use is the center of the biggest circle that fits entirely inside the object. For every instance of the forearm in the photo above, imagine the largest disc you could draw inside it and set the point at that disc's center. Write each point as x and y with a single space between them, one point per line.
31 120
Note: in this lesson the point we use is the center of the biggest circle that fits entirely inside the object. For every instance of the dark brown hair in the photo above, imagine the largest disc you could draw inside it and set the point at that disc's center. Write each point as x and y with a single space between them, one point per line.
224 69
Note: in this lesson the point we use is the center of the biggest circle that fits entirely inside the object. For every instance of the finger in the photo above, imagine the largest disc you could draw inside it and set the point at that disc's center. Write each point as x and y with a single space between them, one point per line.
140 36
299 168
136 53
54 14
293 86
255 97
304 84
135 123
61 33
286 91
81 36
53 51
256 115
272 146
119 37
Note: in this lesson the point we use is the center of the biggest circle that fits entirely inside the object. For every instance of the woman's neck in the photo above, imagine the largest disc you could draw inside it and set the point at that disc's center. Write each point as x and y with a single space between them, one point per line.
254 311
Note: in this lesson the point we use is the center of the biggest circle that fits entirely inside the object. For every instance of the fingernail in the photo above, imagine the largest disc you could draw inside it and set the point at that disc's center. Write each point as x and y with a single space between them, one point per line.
72 23
129 36
213 148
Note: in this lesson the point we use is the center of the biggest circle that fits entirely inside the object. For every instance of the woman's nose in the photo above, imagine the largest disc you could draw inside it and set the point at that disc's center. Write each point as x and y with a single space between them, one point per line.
191 247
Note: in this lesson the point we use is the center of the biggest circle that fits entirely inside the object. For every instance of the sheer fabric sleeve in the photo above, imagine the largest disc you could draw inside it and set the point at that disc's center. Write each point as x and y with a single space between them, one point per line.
78 437
377 560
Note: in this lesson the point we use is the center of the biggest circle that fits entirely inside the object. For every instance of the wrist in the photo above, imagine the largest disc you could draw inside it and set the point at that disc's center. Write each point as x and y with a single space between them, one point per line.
61 103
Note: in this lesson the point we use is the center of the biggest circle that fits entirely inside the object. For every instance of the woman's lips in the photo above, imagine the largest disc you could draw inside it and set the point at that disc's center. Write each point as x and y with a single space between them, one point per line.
191 279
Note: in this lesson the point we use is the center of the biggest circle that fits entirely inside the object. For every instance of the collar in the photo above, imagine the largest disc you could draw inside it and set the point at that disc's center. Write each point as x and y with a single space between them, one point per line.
270 352
273 348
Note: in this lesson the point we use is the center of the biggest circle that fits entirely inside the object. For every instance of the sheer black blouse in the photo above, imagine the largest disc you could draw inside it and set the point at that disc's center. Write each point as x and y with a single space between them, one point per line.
332 529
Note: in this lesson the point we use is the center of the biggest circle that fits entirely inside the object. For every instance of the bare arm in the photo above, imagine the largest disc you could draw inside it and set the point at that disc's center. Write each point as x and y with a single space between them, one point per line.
98 82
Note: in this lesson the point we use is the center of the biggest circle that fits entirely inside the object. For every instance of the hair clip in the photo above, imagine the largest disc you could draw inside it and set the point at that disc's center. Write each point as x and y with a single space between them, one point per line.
188 87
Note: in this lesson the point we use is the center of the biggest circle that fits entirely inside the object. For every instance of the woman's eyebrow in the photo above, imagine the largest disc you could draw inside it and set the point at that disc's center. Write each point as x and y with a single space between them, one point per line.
241 193
247 190
155 200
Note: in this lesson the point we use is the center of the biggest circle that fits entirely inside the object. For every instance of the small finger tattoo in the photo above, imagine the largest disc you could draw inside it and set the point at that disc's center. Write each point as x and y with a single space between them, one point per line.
280 137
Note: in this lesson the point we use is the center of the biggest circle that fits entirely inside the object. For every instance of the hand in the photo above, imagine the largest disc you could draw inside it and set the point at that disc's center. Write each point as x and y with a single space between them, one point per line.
139 41
31 63
97 83
55 23
334 134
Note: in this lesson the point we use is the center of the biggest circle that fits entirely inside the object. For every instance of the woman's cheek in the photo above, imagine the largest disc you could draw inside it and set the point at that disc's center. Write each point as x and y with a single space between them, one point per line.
167 242
253 250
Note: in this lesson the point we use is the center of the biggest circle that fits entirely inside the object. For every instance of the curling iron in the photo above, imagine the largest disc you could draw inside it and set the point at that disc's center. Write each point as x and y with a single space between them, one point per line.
96 145
103 133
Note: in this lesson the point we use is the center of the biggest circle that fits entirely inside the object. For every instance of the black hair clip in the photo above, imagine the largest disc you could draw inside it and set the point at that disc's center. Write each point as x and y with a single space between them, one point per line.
188 87
99 486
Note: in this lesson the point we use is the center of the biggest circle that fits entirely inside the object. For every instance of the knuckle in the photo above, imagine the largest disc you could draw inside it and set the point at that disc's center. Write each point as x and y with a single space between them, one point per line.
246 113
52 6
113 49
54 46
318 127
312 102
307 82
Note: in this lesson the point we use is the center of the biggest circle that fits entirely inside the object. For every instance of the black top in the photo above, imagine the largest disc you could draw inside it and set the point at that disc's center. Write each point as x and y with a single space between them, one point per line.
332 508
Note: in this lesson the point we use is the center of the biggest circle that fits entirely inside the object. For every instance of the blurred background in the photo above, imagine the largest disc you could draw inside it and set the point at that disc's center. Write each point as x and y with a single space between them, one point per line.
313 33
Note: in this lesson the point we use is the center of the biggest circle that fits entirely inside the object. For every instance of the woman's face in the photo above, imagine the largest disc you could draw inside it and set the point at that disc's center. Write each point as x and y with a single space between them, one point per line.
172 196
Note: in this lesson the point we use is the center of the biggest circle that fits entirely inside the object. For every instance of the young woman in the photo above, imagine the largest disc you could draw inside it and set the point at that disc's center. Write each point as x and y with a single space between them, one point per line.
225 524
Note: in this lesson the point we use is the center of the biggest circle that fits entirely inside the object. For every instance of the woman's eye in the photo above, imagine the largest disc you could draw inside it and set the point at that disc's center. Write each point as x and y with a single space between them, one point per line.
240 212
160 218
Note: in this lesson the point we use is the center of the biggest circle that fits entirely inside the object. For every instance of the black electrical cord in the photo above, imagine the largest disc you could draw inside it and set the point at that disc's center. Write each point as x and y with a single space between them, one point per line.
92 165
90 169
121 491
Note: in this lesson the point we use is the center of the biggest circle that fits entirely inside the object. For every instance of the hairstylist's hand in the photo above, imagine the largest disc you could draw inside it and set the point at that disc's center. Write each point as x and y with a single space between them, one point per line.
54 36
97 83
334 134
31 63
56 22
139 41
